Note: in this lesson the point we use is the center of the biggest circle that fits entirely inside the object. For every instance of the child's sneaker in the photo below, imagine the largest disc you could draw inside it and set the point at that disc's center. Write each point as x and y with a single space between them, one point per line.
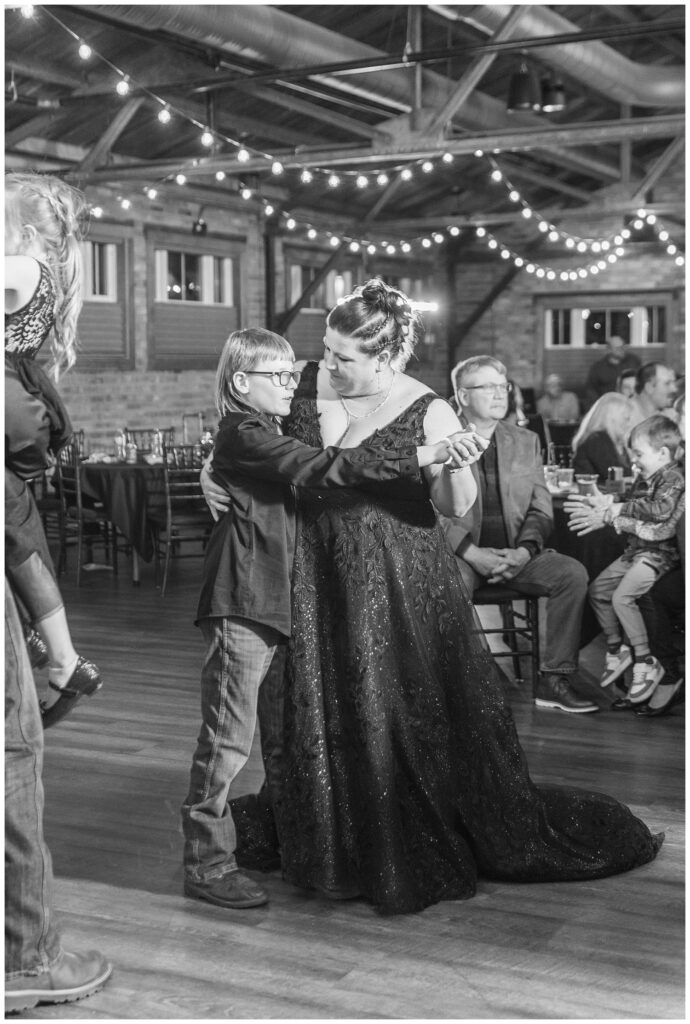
646 677
616 664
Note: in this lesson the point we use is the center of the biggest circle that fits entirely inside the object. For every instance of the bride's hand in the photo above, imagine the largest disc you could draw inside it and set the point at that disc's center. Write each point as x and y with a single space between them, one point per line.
217 499
466 447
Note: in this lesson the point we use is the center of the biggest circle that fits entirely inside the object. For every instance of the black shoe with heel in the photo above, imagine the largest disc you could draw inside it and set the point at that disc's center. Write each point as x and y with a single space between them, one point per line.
84 681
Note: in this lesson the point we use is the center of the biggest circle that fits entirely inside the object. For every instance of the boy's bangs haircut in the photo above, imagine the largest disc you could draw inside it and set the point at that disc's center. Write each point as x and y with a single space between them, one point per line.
660 431
245 350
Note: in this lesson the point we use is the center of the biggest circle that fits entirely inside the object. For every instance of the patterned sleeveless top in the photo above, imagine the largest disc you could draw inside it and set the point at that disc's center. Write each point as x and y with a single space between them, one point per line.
27 328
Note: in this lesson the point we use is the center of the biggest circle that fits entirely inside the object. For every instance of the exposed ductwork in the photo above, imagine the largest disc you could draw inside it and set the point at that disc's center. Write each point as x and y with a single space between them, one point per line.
602 68
266 33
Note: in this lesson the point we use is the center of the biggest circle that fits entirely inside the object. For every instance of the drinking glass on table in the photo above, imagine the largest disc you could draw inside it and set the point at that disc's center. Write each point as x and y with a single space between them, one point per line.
586 482
564 477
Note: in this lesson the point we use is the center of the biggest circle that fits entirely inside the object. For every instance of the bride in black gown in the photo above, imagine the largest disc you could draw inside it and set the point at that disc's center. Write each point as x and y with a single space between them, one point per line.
404 779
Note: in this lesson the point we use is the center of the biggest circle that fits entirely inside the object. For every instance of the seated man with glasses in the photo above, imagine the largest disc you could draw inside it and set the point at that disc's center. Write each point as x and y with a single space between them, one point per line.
501 539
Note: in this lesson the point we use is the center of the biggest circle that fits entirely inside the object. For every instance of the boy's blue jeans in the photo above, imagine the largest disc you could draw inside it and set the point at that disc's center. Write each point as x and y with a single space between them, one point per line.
32 942
238 656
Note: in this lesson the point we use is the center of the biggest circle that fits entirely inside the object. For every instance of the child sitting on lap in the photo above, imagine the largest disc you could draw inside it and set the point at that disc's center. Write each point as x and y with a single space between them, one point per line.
650 518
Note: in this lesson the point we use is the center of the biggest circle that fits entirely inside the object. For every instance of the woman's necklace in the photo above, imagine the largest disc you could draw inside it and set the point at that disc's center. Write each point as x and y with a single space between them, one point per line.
365 415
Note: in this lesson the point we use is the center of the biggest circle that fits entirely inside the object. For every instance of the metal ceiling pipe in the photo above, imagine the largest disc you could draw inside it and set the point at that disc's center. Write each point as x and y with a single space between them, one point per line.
601 67
262 32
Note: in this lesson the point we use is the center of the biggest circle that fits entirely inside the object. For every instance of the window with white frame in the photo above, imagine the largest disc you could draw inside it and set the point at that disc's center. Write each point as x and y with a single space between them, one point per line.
335 284
585 326
194 277
99 262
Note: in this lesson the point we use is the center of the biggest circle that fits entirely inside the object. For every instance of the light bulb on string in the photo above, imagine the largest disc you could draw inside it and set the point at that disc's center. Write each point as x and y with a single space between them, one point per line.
180 179
479 152
27 11
626 232
570 243
390 249
334 240
481 232
427 167
306 176
526 212
543 226
605 246
242 155
550 275
671 250
268 210
276 167
651 219
514 196
207 138
553 236
454 230
581 246
164 115
291 223
125 204
361 181
406 247
426 242
594 269
505 254
518 261
85 50
246 193
371 248
680 261
438 237
354 246
122 87
151 193
492 243
333 180
663 236
530 268
448 158
540 272
582 272
406 174
97 212
563 275
382 179
638 224
311 234
220 175
496 175
596 246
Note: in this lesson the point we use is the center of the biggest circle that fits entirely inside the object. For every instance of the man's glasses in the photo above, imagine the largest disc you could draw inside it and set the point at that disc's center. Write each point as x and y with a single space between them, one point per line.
281 378
493 389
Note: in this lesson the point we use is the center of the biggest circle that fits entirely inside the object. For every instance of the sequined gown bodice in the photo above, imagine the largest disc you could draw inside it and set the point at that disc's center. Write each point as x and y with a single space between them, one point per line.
405 779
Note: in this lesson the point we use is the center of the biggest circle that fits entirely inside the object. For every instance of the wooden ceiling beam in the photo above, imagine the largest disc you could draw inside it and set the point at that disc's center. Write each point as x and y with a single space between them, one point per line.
101 150
670 154
415 148
474 74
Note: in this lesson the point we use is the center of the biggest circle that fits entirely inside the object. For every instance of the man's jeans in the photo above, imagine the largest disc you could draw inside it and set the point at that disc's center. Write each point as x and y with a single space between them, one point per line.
32 942
238 656
565 580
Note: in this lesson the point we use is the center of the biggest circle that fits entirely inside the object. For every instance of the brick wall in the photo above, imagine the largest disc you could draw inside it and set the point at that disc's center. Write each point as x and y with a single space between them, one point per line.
103 401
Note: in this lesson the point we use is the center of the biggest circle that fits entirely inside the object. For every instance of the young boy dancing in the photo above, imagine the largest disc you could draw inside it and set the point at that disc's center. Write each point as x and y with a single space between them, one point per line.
651 519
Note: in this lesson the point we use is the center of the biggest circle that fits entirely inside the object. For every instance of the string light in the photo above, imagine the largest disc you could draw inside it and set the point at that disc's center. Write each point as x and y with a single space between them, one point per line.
312 233
582 245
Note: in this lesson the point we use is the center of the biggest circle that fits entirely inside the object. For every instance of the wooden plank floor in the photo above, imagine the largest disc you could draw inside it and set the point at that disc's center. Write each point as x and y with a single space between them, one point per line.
116 773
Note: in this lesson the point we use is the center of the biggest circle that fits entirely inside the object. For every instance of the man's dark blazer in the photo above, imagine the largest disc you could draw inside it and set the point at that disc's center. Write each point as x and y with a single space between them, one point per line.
526 502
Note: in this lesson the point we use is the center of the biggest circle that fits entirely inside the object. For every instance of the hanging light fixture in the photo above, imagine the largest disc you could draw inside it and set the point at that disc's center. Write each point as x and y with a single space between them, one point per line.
523 92
552 96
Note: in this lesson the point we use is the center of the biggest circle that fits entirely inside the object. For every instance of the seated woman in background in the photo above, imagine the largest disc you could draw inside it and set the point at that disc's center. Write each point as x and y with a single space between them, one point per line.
600 441
518 417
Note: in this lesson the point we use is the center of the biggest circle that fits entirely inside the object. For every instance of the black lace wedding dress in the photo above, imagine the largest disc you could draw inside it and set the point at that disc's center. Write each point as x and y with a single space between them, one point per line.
404 776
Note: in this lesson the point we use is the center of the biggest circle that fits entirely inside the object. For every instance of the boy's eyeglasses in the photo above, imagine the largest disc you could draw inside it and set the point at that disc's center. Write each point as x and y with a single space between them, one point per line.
281 378
494 389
